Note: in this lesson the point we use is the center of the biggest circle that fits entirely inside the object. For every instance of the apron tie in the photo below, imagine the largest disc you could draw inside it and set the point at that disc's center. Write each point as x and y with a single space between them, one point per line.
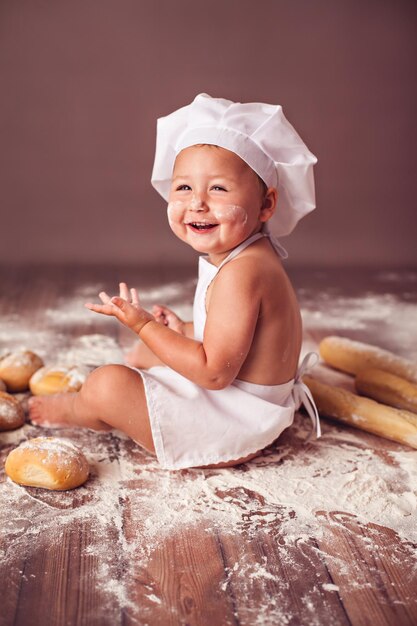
303 396
278 247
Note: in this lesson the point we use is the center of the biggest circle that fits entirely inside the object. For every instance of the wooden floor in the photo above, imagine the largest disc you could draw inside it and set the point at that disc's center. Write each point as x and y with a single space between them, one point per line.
308 534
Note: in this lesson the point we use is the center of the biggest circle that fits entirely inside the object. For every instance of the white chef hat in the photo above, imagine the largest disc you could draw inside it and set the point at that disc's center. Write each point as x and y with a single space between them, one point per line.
259 134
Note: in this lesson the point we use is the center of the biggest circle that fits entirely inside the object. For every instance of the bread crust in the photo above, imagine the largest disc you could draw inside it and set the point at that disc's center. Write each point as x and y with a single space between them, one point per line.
50 380
353 356
364 413
47 462
11 412
17 368
387 388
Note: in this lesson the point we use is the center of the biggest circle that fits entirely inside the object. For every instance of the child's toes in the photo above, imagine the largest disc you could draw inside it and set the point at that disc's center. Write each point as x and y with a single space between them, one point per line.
34 410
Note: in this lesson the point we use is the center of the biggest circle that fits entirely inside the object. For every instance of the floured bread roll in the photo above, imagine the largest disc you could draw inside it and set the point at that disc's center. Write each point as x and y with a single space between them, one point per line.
17 367
11 412
47 462
57 379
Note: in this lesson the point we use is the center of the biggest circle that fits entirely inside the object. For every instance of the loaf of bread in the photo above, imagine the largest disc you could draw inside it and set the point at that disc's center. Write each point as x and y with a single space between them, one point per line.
353 356
57 379
387 388
17 368
364 413
11 412
47 462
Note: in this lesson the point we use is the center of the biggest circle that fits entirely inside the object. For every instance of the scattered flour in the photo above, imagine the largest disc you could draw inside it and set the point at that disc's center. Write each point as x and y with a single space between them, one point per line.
93 350
282 493
330 587
386 318
130 503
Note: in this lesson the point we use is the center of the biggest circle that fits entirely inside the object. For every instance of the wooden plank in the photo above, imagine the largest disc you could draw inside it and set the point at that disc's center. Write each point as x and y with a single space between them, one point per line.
62 565
275 581
181 582
374 569
177 578
52 554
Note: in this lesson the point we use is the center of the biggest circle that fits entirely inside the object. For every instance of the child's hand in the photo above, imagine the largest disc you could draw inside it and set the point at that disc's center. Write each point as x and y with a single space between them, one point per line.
126 308
165 316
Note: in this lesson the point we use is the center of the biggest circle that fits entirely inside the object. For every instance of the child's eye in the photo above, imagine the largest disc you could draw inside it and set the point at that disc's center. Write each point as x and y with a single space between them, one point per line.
218 188
183 188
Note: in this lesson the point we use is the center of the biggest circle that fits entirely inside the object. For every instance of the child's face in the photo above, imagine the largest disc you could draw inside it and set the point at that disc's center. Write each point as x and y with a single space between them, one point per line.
216 200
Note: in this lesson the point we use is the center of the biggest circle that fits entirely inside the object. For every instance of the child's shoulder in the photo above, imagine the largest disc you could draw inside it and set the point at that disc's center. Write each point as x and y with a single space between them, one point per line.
258 265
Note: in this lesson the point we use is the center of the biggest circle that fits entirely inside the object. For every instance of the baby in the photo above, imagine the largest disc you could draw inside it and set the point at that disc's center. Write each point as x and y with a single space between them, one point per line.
214 392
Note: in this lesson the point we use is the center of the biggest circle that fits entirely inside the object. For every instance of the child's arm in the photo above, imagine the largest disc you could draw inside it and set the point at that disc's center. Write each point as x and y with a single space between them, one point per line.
230 327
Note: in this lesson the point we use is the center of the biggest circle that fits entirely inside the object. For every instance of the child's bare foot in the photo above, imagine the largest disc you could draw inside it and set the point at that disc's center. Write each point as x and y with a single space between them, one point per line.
52 411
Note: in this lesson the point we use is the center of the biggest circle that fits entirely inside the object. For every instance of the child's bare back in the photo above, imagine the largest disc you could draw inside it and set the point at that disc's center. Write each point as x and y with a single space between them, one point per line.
273 333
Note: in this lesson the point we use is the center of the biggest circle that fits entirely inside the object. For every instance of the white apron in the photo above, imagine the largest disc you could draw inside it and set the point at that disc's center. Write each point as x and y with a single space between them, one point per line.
192 426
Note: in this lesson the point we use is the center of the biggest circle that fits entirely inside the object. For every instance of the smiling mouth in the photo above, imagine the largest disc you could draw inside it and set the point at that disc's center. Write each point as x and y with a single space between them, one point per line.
201 226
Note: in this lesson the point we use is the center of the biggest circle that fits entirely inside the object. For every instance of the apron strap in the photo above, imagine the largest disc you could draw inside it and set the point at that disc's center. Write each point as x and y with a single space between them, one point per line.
303 396
278 247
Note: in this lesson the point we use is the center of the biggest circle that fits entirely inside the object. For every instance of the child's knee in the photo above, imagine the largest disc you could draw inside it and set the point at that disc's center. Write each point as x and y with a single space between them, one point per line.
106 382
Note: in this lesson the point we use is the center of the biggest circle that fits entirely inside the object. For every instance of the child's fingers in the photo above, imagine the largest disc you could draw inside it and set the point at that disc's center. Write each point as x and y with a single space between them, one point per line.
159 310
160 319
104 309
121 303
158 314
135 297
104 297
168 312
124 291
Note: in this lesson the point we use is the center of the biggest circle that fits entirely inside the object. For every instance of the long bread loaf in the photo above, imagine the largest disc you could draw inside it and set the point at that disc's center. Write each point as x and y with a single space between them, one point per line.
387 388
364 413
353 356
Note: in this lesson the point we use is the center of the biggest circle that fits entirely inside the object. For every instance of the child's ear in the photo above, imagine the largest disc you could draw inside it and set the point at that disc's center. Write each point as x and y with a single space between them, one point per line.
269 204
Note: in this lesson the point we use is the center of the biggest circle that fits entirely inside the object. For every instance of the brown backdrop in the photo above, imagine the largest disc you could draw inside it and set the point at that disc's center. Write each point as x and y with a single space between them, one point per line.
83 81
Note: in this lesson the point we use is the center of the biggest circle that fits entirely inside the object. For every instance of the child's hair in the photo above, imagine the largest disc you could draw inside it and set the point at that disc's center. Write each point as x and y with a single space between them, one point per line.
262 183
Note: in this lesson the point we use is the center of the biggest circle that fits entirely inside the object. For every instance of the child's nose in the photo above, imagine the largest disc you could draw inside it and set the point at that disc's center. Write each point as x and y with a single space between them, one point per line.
198 203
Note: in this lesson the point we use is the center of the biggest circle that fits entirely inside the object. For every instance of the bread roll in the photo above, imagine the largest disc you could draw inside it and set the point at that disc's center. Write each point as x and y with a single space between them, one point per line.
17 368
47 462
2 385
364 413
11 412
57 379
353 356
387 388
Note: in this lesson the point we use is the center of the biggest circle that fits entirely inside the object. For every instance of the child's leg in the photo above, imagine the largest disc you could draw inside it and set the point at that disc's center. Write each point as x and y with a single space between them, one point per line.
112 397
141 356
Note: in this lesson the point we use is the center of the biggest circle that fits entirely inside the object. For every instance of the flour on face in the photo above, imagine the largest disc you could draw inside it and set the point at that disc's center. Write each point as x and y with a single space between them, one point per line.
222 213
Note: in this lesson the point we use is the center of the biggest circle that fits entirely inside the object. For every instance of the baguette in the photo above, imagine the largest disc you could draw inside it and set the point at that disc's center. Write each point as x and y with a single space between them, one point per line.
353 356
387 388
364 413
